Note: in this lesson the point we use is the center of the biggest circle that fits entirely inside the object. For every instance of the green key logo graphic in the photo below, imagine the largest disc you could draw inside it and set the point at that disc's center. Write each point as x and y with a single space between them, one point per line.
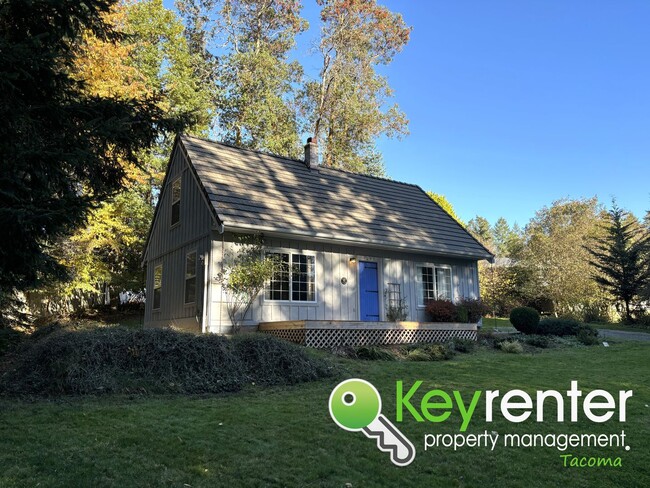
355 405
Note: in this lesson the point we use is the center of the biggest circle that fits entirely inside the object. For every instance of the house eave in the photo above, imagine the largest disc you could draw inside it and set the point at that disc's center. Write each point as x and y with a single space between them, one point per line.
343 239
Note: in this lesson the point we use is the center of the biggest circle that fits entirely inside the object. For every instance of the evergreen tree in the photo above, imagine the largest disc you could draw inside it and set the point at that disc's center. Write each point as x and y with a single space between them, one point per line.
480 228
62 150
619 256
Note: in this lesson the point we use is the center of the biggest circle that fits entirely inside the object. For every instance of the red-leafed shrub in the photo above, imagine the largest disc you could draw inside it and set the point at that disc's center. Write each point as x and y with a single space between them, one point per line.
441 311
471 310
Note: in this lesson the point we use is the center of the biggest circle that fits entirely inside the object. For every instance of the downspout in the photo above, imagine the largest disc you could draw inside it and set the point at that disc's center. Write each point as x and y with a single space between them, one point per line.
223 244
205 316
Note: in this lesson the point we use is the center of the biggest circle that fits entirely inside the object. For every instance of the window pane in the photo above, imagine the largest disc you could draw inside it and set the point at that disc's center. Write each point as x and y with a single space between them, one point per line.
157 277
190 290
303 278
443 283
426 285
278 286
176 190
190 277
176 201
156 298
190 265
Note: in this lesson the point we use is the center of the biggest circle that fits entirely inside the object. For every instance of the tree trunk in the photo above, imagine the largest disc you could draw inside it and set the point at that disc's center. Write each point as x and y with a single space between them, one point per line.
628 315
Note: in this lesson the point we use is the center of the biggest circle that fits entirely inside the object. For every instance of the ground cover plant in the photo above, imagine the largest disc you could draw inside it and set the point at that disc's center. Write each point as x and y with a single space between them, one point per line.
122 360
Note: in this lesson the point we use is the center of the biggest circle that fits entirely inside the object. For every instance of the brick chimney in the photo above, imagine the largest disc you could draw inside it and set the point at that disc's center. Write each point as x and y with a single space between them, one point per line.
311 153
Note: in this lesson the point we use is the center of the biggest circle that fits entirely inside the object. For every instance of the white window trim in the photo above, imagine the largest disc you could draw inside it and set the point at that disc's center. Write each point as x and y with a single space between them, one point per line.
290 252
154 287
185 277
418 280
180 181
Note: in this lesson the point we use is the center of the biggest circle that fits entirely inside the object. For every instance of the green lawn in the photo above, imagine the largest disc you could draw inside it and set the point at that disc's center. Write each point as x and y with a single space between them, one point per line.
497 323
285 437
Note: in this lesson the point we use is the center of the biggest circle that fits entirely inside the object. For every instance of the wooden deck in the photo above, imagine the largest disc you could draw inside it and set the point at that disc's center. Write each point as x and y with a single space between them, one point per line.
334 333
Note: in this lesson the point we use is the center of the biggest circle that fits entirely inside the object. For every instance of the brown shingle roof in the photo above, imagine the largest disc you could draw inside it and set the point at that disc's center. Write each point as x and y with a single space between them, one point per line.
257 191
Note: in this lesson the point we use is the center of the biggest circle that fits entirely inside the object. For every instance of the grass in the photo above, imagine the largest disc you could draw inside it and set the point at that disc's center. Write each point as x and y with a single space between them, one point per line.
504 324
497 323
283 436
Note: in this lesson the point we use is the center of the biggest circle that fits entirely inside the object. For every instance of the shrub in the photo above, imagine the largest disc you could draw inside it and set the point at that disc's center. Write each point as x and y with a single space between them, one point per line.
9 338
441 311
438 352
396 309
462 314
118 360
558 327
512 347
541 342
588 335
463 345
417 355
524 319
373 353
271 361
643 320
429 352
475 309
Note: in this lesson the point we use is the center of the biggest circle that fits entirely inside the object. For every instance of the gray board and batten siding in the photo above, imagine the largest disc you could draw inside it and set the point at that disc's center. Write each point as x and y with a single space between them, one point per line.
337 293
168 245
332 214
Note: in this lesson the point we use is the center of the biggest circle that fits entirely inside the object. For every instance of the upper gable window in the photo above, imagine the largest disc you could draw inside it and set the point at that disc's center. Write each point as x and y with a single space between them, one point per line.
176 201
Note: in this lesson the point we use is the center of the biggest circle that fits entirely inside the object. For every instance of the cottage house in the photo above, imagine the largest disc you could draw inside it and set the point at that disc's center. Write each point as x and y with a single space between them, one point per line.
352 244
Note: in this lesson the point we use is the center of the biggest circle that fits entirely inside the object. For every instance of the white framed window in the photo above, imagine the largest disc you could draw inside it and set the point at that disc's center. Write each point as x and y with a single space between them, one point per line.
157 286
294 279
433 283
190 277
176 202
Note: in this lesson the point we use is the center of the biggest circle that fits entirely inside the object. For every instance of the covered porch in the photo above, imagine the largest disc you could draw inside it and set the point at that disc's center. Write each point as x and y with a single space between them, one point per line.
337 333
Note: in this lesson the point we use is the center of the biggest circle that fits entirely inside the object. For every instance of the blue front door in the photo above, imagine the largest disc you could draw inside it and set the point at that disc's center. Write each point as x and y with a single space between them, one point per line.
368 291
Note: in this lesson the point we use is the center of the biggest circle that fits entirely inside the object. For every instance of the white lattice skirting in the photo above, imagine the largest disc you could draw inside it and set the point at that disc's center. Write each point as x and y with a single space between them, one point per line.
315 335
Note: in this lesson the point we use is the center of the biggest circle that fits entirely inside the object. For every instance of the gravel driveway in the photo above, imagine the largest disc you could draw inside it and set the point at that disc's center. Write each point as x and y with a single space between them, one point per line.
624 335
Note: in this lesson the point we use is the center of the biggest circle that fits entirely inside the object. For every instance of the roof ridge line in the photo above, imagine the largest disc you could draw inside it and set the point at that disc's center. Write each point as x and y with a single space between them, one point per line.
318 168
239 148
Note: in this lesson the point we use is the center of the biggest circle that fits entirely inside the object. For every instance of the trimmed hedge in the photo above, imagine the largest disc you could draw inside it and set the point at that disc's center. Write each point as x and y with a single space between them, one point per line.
525 319
467 310
440 311
558 327
119 360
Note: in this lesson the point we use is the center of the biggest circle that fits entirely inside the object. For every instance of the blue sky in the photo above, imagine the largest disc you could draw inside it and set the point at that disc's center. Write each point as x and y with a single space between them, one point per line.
515 104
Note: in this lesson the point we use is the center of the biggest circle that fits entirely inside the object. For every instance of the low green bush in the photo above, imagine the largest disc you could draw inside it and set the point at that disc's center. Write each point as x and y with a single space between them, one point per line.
588 335
417 355
374 353
524 319
462 314
463 345
475 309
119 360
429 352
558 327
511 347
541 342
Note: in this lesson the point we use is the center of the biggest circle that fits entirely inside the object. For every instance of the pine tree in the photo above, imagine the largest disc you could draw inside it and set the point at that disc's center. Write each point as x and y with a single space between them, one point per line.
62 150
620 258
